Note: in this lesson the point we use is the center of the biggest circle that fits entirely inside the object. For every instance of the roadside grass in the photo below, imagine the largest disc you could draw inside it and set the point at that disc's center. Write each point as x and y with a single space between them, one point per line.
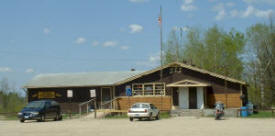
9 117
163 115
70 116
262 114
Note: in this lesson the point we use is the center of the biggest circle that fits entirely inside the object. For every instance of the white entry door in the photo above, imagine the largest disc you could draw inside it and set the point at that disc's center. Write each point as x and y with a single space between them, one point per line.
200 98
184 98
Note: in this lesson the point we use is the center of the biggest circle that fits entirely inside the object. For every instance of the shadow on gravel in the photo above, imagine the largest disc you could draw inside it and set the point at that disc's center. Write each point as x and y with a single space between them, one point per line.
34 121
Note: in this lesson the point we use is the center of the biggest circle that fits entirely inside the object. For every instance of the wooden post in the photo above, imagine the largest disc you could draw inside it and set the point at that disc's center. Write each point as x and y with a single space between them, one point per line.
70 108
111 97
154 87
205 97
241 92
80 110
114 96
87 108
143 89
172 97
129 102
225 92
95 108
101 98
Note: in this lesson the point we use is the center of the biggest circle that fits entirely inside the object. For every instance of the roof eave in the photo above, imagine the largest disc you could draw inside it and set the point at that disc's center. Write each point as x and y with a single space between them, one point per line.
35 87
185 66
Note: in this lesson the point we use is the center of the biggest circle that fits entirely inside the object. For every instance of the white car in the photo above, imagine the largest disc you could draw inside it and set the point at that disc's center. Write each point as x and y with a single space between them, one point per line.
143 110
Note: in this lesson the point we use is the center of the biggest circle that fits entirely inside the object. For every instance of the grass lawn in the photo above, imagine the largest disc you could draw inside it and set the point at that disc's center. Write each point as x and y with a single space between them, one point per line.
262 114
9 117
69 116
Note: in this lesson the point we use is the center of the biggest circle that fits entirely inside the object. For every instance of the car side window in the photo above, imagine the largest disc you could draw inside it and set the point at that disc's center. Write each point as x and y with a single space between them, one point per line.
152 106
54 103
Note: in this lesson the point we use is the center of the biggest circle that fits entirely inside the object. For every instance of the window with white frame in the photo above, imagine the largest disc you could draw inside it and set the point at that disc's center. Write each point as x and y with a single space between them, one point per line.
148 89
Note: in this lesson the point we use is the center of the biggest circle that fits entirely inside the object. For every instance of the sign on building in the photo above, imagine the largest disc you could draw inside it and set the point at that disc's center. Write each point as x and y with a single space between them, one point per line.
48 95
69 93
128 90
92 93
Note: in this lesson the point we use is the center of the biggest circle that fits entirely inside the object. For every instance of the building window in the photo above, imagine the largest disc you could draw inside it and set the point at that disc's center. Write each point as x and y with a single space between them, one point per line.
148 89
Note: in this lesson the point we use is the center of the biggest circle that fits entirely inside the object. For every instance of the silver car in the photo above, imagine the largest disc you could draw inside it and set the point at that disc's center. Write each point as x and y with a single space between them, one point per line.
143 110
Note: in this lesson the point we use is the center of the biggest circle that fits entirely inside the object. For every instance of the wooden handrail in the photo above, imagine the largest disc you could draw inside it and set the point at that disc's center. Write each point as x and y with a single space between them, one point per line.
110 101
87 103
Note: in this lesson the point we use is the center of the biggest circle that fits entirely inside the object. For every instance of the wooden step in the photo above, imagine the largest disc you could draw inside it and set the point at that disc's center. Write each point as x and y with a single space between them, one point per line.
187 112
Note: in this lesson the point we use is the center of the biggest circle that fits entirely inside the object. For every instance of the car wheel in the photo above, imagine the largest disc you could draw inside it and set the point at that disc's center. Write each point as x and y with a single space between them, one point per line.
56 117
150 116
131 119
157 117
22 120
42 118
60 117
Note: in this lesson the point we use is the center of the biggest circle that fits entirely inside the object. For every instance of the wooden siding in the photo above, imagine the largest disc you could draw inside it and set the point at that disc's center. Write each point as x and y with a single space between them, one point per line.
162 103
216 83
80 94
231 100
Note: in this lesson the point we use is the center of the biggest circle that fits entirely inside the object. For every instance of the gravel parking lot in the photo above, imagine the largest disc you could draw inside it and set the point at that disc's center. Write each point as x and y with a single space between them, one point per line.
179 126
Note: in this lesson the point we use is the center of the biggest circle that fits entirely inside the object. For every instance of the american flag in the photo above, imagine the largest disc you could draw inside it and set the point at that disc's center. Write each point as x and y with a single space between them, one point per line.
159 20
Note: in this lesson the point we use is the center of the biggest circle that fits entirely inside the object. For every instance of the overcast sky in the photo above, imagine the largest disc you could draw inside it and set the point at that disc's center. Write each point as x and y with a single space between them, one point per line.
62 36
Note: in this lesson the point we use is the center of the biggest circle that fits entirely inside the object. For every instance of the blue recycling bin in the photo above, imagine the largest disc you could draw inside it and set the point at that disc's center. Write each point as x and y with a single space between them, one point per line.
244 112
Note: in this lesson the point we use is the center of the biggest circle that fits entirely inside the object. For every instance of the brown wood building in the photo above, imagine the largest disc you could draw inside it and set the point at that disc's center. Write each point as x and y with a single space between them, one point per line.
182 86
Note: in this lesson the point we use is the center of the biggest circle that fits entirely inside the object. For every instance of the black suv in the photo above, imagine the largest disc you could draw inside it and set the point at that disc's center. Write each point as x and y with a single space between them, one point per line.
41 110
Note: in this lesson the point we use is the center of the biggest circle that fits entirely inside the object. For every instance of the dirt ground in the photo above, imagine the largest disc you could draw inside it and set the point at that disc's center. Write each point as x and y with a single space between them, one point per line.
179 126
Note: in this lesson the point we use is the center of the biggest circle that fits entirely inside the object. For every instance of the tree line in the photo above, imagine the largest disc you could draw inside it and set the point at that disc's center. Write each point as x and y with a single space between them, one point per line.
247 56
10 100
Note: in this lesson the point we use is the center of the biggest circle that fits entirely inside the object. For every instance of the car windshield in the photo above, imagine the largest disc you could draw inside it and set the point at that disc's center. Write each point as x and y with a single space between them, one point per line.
139 105
35 104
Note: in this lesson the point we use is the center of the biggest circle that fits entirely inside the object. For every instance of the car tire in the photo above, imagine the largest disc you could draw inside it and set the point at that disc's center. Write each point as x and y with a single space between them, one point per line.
42 118
60 117
150 117
56 117
131 119
157 117
22 120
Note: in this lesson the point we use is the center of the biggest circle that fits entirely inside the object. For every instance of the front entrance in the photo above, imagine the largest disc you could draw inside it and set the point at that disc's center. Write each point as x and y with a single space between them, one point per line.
192 98
184 98
106 96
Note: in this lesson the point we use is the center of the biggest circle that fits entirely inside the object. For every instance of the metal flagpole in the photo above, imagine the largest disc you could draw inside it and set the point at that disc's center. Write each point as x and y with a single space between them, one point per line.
161 48
161 52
